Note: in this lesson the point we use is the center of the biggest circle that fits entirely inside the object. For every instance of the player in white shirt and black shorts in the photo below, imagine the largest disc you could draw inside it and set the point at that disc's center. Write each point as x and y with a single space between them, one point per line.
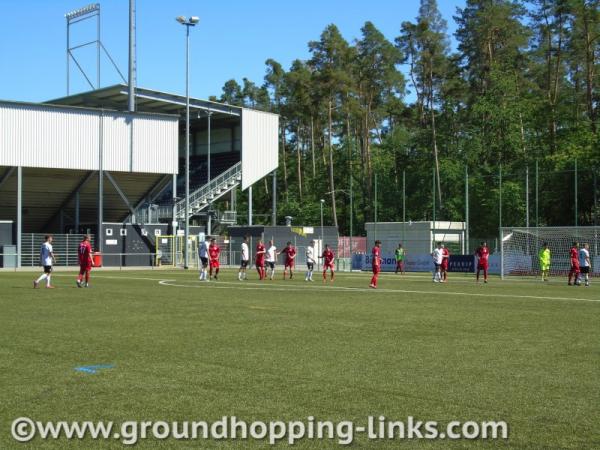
310 261
46 260
438 257
584 264
245 260
203 255
271 258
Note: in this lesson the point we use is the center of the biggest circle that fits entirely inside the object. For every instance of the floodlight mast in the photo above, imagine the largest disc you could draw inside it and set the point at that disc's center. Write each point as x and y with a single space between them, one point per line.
131 81
193 20
79 15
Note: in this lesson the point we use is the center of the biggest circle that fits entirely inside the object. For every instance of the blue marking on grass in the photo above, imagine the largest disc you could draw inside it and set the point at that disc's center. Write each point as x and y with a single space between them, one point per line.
95 368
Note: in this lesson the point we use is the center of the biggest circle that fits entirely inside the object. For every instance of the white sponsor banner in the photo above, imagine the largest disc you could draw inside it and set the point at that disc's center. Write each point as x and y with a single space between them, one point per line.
419 262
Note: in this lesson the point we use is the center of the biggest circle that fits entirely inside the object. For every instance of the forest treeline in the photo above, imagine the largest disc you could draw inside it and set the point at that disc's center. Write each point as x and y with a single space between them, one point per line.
517 97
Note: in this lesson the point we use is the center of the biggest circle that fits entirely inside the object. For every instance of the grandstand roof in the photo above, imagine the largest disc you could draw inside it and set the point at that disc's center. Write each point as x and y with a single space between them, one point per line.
146 100
61 148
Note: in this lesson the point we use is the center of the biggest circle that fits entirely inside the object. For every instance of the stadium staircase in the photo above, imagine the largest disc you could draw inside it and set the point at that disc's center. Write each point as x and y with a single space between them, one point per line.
200 199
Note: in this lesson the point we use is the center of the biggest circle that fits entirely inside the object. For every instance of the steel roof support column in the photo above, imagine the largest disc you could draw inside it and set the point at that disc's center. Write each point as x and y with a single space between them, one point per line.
77 212
274 191
233 206
19 212
99 240
99 234
174 221
250 205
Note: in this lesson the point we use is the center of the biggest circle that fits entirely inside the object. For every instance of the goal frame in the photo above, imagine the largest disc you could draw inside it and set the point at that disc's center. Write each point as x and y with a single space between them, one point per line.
579 233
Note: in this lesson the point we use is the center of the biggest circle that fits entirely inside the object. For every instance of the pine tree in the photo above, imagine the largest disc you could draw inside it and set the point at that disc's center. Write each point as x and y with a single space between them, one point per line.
330 61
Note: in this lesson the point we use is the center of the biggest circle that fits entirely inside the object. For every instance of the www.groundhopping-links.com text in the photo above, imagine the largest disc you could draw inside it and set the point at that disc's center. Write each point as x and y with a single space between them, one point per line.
25 429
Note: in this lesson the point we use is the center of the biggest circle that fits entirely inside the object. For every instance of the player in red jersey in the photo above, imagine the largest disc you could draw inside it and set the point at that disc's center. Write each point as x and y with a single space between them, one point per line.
328 258
574 272
290 258
260 259
445 262
213 255
85 261
483 254
376 263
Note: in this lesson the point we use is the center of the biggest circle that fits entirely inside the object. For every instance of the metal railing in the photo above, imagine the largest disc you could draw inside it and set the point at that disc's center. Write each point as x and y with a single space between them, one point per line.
65 246
229 217
142 215
199 199
211 190
110 261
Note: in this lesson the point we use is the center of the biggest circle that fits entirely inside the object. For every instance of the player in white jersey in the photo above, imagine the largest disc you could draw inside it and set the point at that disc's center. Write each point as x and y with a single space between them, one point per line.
245 260
438 257
310 261
46 260
584 264
203 255
271 258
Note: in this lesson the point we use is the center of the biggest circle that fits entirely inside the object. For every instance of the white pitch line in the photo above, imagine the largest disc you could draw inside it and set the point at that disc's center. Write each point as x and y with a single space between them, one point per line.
357 276
113 277
215 285
279 287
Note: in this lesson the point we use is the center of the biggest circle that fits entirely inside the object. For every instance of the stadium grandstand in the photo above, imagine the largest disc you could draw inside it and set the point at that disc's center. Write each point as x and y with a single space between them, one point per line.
74 164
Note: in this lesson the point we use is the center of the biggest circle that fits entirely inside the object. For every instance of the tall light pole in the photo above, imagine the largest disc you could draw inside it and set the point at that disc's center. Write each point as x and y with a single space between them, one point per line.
191 22
351 196
322 203
210 210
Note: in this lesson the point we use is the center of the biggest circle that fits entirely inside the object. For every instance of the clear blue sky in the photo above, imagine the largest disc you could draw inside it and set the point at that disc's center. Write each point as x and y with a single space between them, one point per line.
233 40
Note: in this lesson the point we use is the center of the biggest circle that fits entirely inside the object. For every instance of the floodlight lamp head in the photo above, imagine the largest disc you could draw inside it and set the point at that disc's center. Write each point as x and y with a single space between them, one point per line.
181 19
89 9
194 20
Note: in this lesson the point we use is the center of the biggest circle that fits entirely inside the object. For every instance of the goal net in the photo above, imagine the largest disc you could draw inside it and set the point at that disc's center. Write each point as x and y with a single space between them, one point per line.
520 247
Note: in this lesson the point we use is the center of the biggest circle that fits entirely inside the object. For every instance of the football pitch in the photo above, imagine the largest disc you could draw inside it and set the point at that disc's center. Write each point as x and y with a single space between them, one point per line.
170 348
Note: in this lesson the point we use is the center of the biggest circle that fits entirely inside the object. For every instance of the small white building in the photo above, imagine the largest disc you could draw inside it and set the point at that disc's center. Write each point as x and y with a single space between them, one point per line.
417 237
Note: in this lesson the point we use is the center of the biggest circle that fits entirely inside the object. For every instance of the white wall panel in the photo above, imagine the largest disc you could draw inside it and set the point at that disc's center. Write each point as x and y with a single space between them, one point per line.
155 145
47 137
33 135
116 140
260 154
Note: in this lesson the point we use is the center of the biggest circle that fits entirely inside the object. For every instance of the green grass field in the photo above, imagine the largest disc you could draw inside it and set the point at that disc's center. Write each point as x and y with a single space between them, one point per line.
517 351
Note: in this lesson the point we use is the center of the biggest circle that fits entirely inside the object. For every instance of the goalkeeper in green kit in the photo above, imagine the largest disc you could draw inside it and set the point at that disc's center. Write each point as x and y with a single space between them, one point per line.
400 255
544 256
